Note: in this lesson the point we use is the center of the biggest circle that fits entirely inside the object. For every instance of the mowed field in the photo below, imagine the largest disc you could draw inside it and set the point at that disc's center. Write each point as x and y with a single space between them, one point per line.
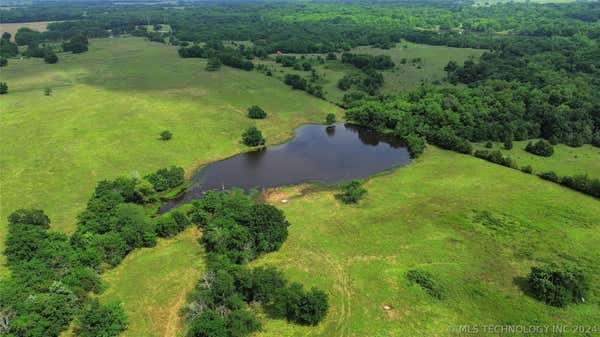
565 161
402 76
105 114
429 69
13 27
477 227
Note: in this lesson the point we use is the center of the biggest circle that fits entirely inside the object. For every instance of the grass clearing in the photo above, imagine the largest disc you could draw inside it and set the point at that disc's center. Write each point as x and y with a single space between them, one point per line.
566 160
12 28
402 76
152 284
105 114
433 215
430 69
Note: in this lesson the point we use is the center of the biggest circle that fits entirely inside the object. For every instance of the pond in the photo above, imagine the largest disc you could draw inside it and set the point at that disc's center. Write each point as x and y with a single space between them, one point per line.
318 153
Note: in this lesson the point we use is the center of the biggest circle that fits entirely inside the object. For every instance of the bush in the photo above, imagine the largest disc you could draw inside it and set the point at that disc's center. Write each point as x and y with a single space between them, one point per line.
446 139
213 64
3 62
495 157
166 135
3 88
50 57
416 145
425 280
527 169
299 306
351 192
489 145
164 178
256 112
101 320
330 119
541 148
252 137
557 285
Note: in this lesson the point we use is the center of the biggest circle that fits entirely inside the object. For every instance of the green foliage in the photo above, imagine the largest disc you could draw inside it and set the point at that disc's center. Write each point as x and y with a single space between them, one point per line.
351 192
236 231
558 285
166 135
426 281
50 57
527 169
98 320
166 178
541 148
496 157
3 88
3 62
78 44
416 145
252 137
256 112
581 183
330 119
213 64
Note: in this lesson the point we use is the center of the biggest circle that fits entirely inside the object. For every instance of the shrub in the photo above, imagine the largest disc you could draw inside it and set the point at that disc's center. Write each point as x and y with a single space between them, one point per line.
540 148
3 62
50 57
166 135
425 280
330 118
101 320
213 64
489 145
416 145
299 306
47 91
252 137
256 112
3 88
495 157
164 178
557 285
351 192
527 169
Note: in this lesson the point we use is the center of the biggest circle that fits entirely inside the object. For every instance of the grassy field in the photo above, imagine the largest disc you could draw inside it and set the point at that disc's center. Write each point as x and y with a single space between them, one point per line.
152 284
566 160
428 70
403 76
105 114
13 27
476 226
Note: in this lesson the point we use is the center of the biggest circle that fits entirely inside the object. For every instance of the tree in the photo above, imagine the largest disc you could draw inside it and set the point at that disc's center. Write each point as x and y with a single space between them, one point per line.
256 112
47 91
330 119
351 192
98 320
241 323
50 57
213 64
252 137
208 324
3 62
166 135
558 285
541 148
3 88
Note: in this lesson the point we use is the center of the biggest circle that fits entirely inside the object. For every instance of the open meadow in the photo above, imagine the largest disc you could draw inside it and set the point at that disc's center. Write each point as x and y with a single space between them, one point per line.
12 28
429 68
106 111
477 227
566 160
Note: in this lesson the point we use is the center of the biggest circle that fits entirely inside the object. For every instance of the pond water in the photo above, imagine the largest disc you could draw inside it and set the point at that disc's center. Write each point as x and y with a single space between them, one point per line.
317 153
